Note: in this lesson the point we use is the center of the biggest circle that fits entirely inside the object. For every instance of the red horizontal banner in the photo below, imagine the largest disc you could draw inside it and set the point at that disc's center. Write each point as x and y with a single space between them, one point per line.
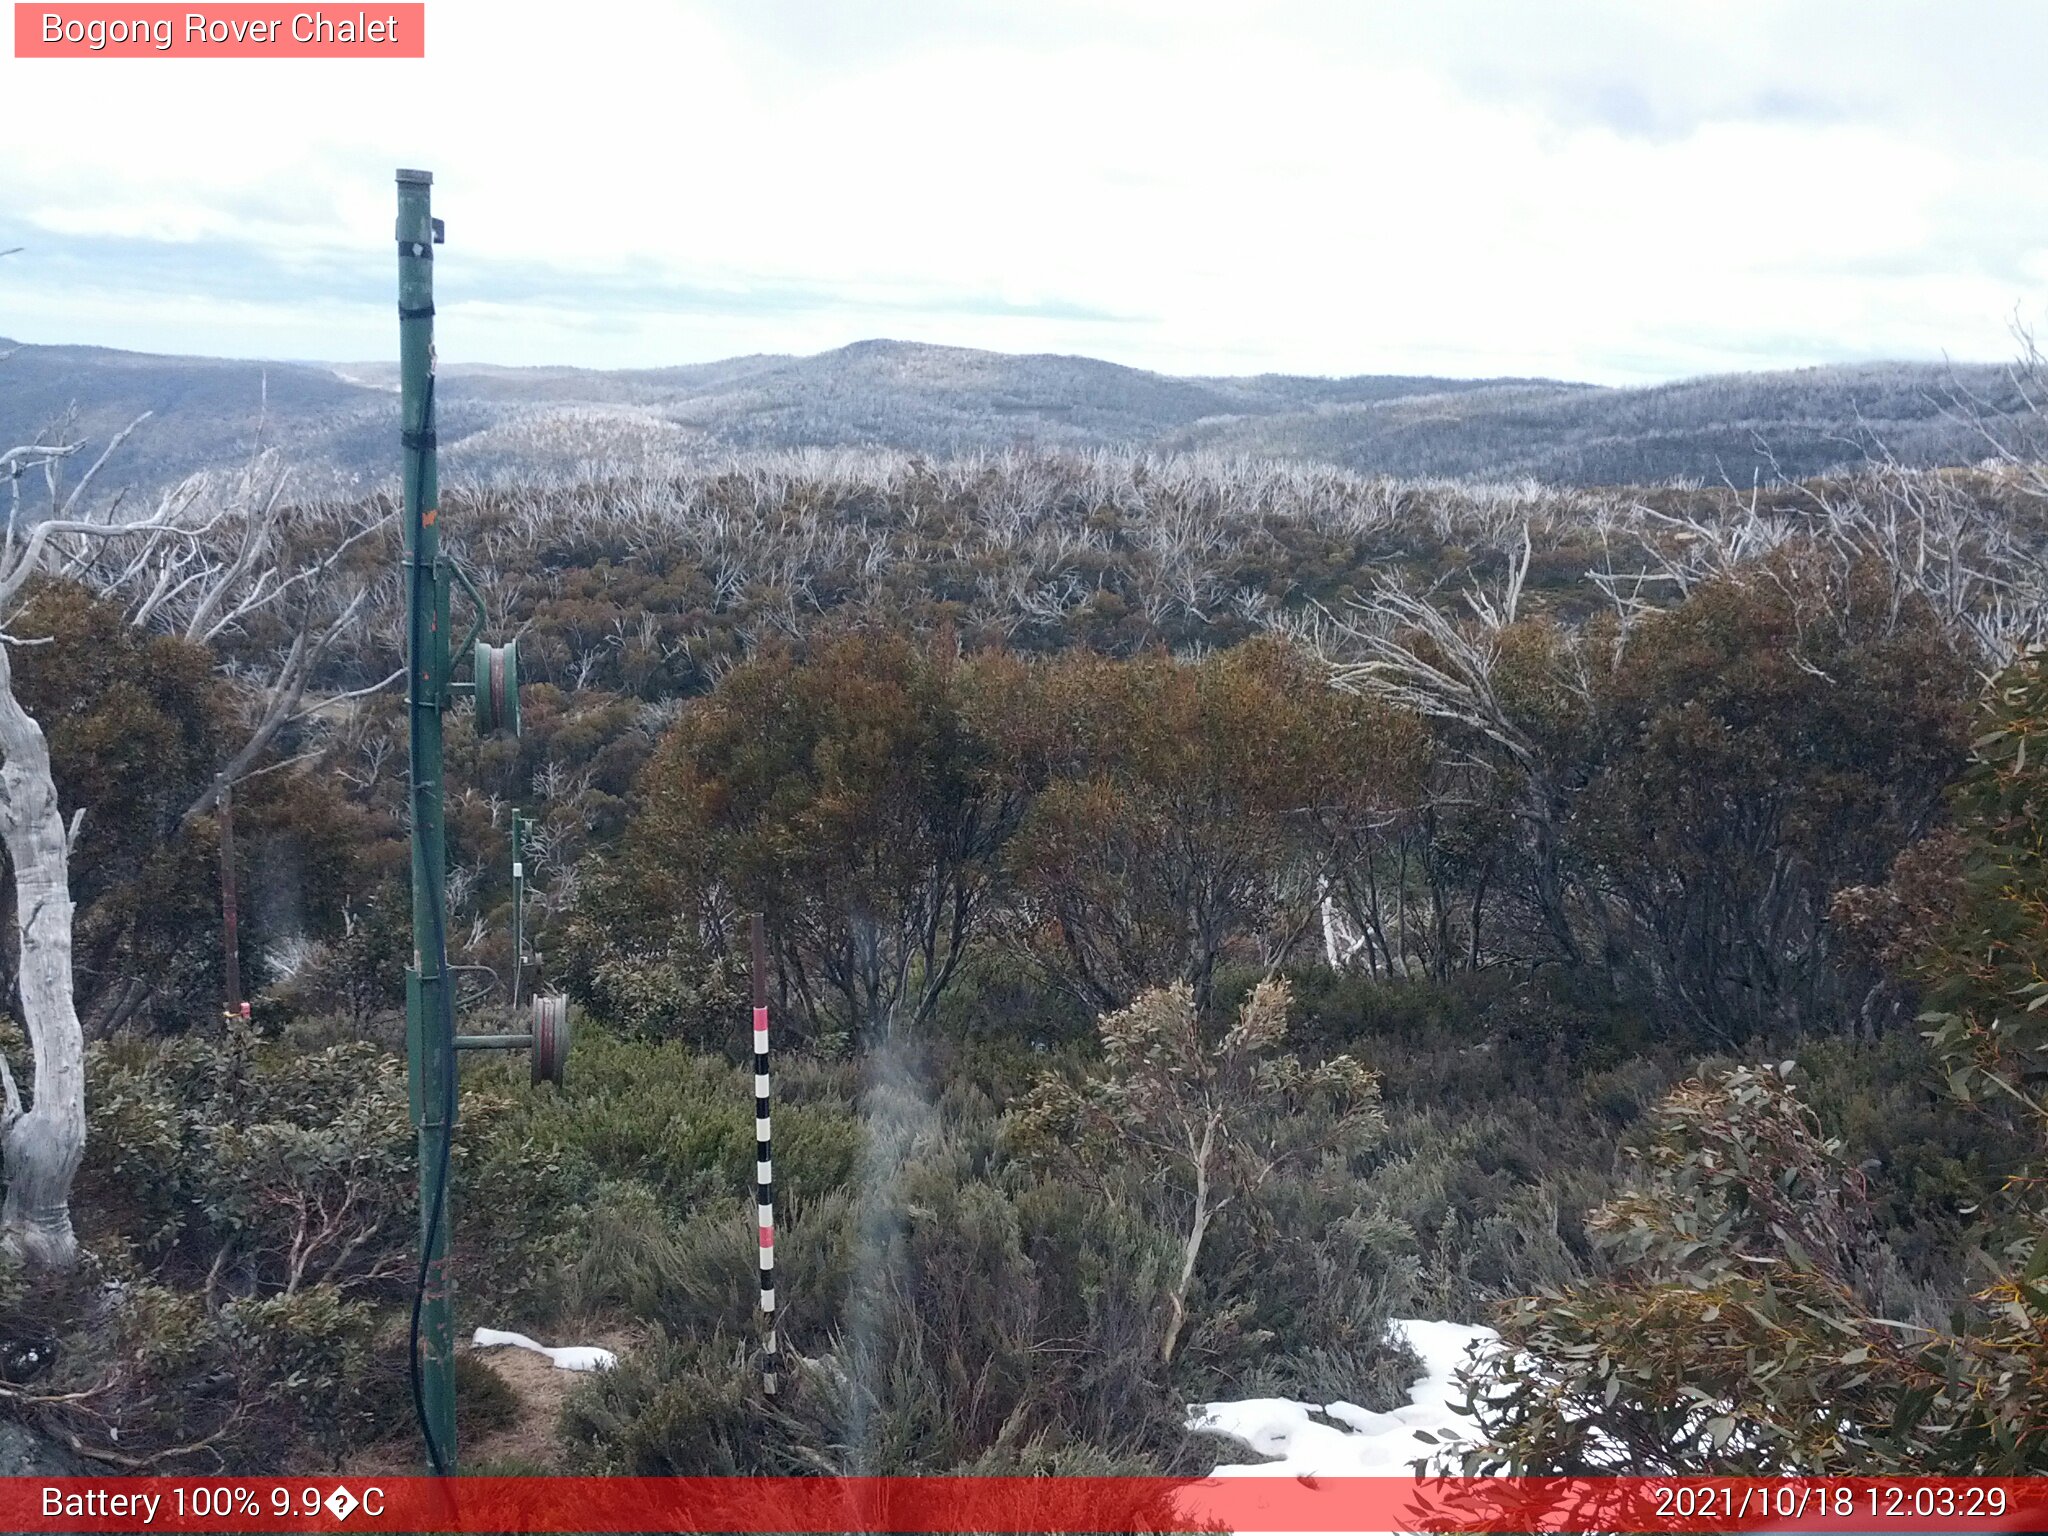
232 31
1021 1504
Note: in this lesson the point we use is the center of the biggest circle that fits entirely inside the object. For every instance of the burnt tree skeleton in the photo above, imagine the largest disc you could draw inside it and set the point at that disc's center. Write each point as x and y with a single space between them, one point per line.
196 565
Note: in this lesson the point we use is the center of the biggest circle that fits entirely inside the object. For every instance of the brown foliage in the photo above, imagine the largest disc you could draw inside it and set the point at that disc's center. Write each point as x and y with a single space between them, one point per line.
1189 805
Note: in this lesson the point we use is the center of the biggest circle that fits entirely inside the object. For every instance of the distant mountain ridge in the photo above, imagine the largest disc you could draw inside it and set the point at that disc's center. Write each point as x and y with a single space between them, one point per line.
338 423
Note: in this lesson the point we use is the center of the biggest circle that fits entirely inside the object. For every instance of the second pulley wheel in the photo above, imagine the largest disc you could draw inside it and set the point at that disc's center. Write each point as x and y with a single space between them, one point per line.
550 1039
497 689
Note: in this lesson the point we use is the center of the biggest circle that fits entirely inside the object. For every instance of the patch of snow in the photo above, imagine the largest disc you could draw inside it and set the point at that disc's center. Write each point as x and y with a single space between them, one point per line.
1360 1443
570 1357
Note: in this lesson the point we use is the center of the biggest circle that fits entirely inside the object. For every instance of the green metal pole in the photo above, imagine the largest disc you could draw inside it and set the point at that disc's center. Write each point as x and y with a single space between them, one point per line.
430 1035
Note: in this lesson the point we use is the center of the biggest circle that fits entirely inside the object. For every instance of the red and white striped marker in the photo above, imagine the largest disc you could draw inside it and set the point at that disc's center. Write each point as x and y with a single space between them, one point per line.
764 1163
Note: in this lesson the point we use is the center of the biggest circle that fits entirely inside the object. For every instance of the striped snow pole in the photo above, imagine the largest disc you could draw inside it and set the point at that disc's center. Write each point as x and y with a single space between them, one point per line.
764 1166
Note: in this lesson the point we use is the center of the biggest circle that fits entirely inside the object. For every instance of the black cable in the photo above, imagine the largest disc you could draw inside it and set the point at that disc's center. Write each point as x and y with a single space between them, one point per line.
437 1457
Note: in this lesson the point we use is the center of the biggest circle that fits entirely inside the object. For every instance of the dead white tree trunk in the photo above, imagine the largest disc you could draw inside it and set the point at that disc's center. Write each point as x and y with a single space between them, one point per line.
213 571
43 1142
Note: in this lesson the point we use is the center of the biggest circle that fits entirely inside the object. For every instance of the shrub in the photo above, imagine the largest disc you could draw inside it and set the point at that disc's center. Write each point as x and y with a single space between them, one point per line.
1194 1120
359 973
1147 852
1738 1332
311 1359
645 971
853 798
271 1193
267 1167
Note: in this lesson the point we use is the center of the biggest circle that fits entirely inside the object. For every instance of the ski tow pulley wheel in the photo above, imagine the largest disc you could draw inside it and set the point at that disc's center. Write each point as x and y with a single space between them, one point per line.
497 689
550 1039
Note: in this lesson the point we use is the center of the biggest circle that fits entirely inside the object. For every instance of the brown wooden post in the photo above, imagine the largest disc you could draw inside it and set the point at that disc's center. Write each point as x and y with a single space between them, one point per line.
229 914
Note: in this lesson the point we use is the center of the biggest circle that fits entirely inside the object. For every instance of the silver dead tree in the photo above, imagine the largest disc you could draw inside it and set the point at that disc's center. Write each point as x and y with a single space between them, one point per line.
210 556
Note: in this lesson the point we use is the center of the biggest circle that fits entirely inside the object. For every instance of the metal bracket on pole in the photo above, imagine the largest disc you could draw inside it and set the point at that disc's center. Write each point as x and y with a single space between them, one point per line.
476 630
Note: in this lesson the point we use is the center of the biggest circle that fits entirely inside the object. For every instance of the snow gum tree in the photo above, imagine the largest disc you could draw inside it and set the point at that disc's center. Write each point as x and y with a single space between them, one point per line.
850 796
1741 1326
41 1140
209 559
1188 804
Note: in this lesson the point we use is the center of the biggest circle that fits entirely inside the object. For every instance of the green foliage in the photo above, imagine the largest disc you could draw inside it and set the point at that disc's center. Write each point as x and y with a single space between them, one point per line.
1743 1328
945 1304
1984 966
135 725
1740 1330
1669 804
1195 1121
1000 1013
138 724
1733 1335
568 1198
484 1403
679 1407
266 1197
312 1356
1170 1087
645 970
938 828
931 1317
252 1160
157 1373
1935 1169
883 802
360 973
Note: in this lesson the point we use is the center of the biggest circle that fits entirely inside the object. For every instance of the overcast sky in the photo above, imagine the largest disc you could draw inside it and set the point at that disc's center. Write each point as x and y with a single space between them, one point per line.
1617 192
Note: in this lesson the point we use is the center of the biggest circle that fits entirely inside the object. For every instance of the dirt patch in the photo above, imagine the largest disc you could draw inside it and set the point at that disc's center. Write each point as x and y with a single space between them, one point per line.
529 1439
529 1443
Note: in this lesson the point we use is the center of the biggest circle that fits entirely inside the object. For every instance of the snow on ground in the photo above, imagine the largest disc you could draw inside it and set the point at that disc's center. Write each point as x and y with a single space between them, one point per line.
1360 1443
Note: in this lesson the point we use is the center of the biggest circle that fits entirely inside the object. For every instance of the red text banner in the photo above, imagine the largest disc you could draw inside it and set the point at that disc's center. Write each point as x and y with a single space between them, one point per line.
1021 1504
229 31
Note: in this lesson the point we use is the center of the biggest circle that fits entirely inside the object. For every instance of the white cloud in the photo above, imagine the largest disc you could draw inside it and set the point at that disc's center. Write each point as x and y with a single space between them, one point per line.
1601 190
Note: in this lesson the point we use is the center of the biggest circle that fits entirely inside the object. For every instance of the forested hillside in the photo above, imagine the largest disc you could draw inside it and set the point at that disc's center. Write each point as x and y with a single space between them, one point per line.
1535 892
515 425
